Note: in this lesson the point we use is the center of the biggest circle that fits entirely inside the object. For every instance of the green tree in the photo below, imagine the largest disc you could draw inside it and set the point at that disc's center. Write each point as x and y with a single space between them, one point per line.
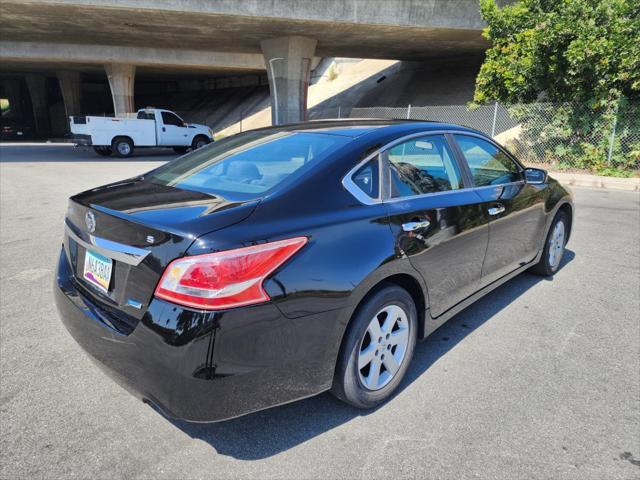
565 50
586 52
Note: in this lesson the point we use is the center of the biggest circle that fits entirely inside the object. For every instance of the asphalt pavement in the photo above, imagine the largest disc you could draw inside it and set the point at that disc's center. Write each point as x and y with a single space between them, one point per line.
539 379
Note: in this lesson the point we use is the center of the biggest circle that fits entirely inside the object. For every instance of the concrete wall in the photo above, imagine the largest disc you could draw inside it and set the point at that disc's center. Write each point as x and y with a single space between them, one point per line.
444 82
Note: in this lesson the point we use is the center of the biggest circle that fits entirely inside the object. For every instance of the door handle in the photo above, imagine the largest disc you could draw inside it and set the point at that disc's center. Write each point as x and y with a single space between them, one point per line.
164 129
413 226
498 209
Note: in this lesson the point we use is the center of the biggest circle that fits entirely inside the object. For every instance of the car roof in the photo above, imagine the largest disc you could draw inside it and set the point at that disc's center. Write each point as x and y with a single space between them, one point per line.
357 127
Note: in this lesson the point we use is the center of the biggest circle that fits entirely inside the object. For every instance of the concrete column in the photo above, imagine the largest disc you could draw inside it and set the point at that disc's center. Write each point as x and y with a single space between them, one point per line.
38 91
121 80
71 92
13 91
288 61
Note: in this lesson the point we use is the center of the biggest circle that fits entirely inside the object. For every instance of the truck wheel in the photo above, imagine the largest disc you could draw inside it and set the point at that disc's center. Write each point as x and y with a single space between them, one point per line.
199 142
103 151
180 149
123 147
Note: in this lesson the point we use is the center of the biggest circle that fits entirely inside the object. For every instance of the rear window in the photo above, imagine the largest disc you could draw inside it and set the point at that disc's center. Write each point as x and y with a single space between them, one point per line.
144 115
246 166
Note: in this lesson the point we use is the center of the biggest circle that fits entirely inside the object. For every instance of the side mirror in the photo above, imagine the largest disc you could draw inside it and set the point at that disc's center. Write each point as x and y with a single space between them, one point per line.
535 176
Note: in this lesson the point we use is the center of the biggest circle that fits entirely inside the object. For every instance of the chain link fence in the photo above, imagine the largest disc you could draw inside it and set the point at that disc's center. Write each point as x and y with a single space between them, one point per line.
563 136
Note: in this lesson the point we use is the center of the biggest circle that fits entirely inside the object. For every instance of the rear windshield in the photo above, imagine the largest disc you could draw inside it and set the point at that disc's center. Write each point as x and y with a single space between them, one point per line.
144 115
246 166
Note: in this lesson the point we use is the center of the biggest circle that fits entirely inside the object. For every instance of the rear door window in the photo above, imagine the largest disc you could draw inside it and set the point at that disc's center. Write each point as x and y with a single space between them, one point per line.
248 165
421 166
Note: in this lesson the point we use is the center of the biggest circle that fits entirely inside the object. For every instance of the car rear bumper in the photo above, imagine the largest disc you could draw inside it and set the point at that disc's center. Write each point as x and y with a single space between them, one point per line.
203 366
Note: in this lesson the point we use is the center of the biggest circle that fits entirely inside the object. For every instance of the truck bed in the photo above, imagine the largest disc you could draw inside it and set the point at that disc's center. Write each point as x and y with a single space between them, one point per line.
103 130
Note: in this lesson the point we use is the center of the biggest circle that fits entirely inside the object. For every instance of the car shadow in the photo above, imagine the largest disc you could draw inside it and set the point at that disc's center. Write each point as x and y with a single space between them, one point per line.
269 432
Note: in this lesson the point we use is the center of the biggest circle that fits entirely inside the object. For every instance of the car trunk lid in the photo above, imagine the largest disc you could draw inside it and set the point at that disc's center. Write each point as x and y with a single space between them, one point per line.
141 227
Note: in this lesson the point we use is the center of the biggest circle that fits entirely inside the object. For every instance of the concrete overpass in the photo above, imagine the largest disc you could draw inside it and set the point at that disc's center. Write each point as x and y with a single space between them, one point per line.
226 37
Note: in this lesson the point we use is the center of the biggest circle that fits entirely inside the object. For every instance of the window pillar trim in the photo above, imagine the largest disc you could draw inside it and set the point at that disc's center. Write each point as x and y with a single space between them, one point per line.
384 177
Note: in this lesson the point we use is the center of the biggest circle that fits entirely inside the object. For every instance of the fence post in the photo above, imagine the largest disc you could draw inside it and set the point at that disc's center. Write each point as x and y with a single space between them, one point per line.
408 111
339 111
241 115
495 114
613 134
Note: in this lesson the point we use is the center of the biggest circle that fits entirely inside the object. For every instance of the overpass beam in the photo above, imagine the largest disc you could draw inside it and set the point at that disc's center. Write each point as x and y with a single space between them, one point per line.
288 61
69 81
165 58
121 80
37 85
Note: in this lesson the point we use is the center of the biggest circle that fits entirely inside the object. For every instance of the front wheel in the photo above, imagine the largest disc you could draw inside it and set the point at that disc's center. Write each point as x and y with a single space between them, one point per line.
377 348
123 147
199 142
553 246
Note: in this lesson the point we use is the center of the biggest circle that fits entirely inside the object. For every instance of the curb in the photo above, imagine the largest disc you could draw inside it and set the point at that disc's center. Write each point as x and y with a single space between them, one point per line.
597 181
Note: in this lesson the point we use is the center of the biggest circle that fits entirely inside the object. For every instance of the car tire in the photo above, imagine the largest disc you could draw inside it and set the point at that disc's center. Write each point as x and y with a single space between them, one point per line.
355 382
180 150
199 142
122 147
553 246
103 151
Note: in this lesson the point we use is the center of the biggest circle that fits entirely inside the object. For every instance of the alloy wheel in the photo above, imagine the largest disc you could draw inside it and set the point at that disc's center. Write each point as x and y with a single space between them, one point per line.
383 347
556 244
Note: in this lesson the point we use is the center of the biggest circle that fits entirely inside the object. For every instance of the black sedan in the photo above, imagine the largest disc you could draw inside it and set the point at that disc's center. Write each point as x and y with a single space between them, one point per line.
283 262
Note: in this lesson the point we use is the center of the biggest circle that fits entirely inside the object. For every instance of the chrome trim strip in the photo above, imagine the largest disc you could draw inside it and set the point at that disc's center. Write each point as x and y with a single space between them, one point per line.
363 198
354 190
117 251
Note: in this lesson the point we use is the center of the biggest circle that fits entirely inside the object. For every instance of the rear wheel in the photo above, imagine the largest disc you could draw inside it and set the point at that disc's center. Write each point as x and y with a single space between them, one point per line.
199 142
122 147
377 348
553 246
103 151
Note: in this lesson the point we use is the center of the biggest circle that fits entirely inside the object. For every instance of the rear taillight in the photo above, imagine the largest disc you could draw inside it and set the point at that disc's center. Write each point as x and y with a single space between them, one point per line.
227 279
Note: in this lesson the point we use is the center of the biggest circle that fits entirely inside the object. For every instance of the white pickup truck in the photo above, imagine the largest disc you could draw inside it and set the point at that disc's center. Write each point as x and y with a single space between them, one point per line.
152 127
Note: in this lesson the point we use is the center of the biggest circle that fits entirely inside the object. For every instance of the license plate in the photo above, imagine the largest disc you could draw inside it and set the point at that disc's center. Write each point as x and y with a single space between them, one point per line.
97 270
